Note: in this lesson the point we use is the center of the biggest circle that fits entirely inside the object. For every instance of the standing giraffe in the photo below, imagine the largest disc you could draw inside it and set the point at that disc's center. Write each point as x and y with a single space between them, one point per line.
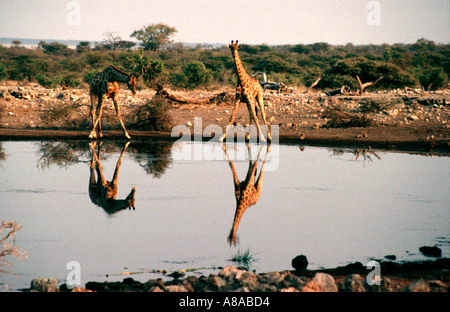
247 192
249 91
105 84
102 192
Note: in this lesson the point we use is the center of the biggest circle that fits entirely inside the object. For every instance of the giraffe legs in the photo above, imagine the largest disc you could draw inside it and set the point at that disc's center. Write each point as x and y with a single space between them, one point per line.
116 106
96 120
236 105
252 113
260 100
93 135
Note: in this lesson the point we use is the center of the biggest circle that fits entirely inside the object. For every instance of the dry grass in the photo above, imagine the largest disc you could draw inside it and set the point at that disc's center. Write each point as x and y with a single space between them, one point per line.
372 105
337 118
65 115
154 115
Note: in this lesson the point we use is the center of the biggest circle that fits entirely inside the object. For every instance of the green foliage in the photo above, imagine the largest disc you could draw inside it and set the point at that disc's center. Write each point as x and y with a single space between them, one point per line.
433 78
344 72
196 75
244 260
154 36
148 69
52 64
55 48
3 73
48 82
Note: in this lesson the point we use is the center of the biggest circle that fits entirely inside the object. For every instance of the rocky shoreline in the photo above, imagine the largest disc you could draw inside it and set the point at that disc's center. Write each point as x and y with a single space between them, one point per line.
423 276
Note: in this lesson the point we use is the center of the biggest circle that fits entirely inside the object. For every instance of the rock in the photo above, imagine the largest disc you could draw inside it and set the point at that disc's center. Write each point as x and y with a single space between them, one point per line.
431 251
176 288
321 282
437 283
44 285
216 283
300 263
155 289
288 280
249 280
419 286
290 289
390 257
353 283
80 289
228 272
176 274
270 278
191 283
444 275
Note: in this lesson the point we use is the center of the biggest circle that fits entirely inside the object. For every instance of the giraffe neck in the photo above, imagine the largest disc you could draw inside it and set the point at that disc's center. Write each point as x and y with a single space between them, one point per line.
113 74
242 74
240 209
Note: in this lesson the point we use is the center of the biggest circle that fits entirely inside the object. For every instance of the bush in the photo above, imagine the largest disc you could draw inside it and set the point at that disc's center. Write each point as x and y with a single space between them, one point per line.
196 74
64 115
433 78
45 81
337 118
150 70
88 76
154 115
344 72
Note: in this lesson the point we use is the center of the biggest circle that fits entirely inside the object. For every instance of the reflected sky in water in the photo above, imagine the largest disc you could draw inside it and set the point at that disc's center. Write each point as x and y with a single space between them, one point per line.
334 206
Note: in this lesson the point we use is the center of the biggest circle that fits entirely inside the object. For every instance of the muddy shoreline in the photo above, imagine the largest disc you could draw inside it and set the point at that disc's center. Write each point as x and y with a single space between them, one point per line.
308 138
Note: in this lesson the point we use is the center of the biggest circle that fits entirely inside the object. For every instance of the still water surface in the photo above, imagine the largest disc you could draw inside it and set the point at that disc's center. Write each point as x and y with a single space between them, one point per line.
333 205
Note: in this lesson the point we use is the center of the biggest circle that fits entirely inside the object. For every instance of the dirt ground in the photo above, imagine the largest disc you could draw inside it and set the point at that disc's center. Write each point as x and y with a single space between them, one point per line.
404 120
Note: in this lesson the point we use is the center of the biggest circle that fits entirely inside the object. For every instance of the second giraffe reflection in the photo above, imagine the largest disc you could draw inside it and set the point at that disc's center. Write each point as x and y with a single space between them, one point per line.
103 193
247 192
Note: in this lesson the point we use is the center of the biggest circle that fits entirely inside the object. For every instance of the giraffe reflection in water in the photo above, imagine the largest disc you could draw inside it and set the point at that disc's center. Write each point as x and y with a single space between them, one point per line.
103 193
247 192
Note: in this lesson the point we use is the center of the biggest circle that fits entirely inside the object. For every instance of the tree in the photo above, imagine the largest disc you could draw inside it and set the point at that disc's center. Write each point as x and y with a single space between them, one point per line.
197 74
16 43
111 40
55 48
154 36
83 46
432 78
125 45
149 69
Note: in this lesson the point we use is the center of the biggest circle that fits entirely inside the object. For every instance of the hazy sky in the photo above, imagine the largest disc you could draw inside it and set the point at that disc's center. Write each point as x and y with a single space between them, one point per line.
220 21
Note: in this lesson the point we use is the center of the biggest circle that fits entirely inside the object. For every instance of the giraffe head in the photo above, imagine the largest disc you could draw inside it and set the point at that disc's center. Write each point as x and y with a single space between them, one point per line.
234 47
132 84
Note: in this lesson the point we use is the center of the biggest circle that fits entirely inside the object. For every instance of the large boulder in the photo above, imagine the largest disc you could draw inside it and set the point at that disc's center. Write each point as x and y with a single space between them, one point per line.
321 282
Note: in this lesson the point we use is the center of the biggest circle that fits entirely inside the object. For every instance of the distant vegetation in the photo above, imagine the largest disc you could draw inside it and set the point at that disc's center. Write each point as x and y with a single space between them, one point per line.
422 64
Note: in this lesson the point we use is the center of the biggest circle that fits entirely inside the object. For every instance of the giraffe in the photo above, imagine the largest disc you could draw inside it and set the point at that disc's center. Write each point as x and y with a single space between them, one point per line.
248 90
103 193
105 84
247 192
